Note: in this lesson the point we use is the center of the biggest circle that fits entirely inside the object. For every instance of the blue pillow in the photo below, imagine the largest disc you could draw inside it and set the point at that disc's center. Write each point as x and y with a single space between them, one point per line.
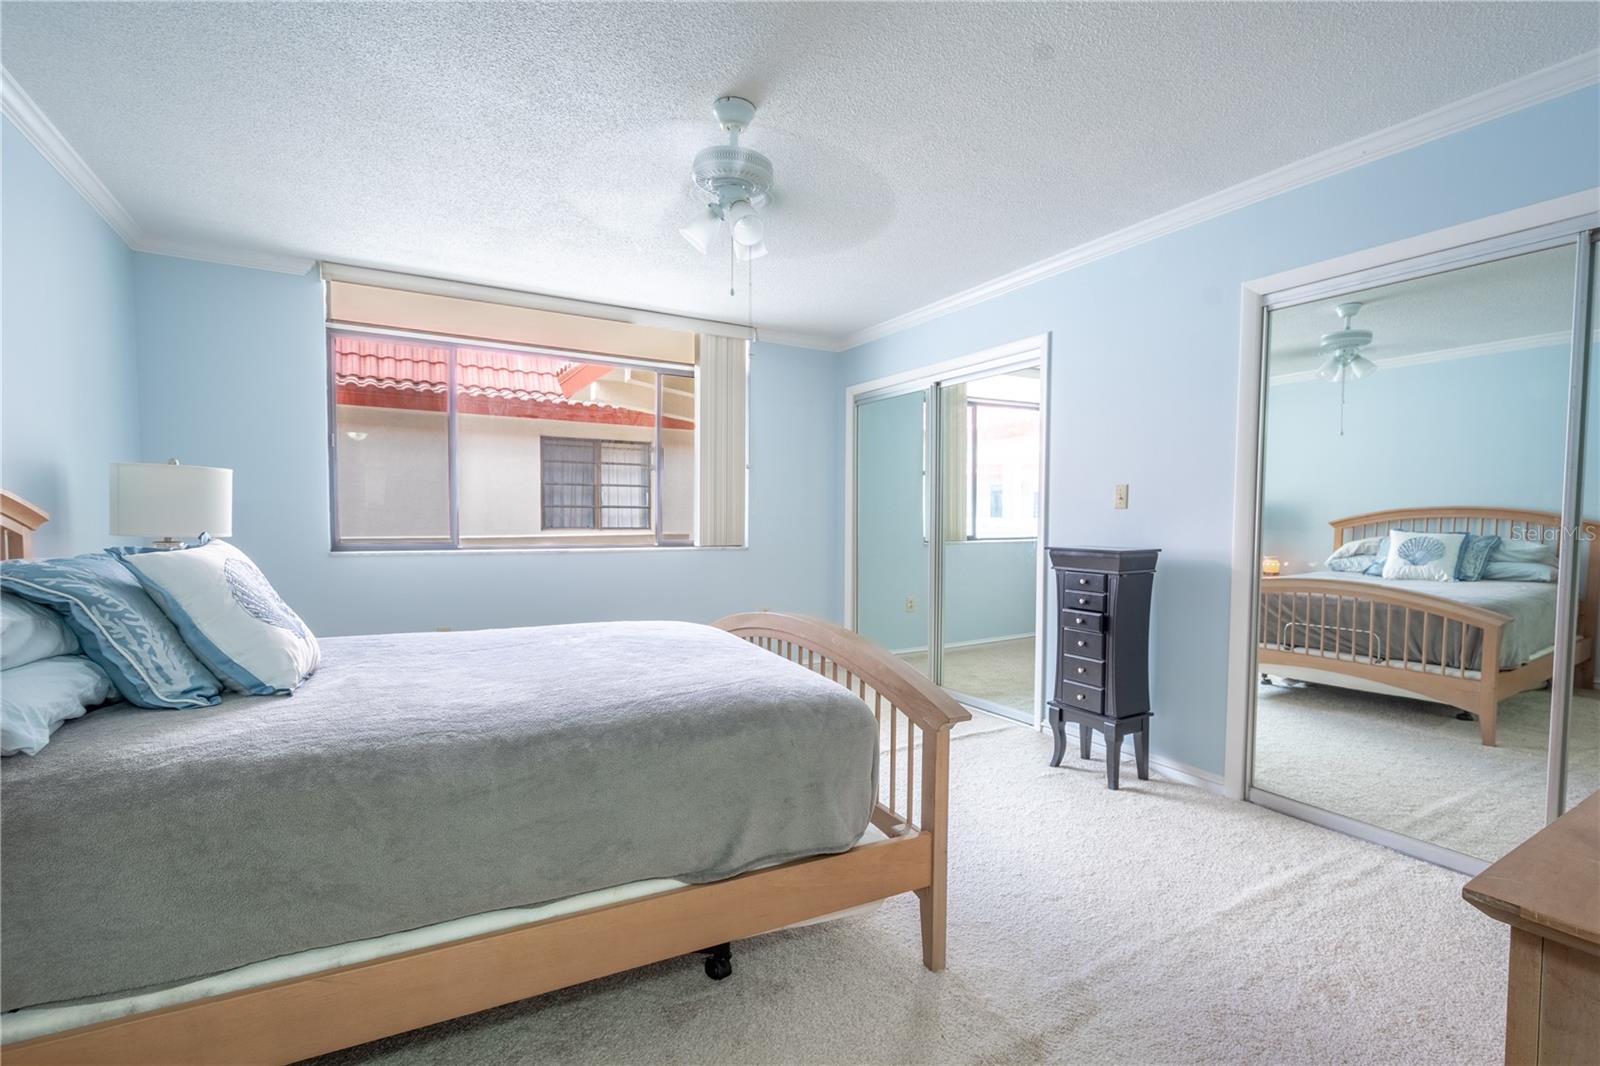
1475 557
121 629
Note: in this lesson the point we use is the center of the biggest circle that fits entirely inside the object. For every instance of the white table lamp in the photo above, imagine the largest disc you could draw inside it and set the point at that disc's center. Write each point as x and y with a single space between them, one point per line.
169 501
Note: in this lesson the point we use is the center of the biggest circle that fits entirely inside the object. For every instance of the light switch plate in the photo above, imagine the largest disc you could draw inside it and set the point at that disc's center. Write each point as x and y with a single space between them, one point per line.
1121 502
911 605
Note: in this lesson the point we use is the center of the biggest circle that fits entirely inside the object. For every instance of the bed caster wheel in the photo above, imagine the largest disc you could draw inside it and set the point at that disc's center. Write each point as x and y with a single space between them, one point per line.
719 962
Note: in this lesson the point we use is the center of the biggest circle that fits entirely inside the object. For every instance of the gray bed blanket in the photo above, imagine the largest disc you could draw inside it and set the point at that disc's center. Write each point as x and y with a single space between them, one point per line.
414 779
1530 605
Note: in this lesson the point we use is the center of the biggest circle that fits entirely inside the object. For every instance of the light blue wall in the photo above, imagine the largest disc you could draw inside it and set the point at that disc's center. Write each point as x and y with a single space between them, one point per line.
67 368
988 584
1145 367
234 375
1488 431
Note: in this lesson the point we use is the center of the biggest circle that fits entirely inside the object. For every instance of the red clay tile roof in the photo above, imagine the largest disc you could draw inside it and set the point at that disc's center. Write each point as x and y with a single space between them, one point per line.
380 372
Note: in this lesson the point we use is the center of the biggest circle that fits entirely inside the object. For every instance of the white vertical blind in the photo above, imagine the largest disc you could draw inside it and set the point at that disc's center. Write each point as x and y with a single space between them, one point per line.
719 440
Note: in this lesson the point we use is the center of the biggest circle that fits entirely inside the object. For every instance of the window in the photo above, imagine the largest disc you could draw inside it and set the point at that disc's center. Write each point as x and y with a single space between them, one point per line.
446 444
1002 469
595 484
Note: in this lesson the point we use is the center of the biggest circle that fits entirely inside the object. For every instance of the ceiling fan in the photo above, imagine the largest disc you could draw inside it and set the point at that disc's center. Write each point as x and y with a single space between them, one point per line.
1345 360
734 182
1344 348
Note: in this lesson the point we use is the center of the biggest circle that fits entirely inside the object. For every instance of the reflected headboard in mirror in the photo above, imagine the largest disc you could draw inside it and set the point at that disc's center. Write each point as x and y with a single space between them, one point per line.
1510 523
18 520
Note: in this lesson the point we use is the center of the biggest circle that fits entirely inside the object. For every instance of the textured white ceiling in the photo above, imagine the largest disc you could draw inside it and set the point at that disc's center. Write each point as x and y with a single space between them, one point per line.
920 148
1505 304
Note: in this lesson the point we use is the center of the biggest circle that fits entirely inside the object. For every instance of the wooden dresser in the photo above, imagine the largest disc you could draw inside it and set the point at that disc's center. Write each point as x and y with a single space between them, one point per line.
1548 890
1103 651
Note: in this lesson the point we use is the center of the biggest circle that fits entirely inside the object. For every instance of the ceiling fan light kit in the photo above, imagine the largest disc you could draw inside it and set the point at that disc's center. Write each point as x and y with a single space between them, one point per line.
734 181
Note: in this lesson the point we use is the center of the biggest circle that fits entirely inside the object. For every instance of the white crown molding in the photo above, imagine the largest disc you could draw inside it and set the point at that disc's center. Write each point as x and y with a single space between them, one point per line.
1547 84
1535 88
18 106
24 113
280 263
1444 355
814 341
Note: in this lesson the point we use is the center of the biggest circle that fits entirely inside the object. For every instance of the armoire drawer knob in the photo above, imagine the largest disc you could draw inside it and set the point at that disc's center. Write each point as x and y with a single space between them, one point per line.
1082 600
1080 670
1083 643
1083 581
1079 620
1080 695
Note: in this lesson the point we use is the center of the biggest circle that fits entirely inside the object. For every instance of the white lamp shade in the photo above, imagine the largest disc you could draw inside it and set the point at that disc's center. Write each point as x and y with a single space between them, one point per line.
169 500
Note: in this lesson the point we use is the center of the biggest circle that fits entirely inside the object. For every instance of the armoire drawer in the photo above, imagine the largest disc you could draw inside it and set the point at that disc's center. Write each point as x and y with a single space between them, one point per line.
1074 600
1080 697
1081 643
1081 581
1090 620
1083 671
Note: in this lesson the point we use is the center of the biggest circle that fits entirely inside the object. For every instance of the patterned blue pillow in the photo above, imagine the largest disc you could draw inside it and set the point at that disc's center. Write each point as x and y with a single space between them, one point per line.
1382 552
1475 557
121 629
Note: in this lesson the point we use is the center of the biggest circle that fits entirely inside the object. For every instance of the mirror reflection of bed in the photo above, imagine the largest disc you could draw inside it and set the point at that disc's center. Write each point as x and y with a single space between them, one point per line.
1411 496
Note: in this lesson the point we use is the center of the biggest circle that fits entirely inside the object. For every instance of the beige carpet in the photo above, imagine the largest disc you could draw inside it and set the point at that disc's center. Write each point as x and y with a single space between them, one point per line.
1412 767
1001 672
1158 924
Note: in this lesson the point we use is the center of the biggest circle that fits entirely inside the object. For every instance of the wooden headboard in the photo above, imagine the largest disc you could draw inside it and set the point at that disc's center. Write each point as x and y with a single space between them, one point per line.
18 520
1504 522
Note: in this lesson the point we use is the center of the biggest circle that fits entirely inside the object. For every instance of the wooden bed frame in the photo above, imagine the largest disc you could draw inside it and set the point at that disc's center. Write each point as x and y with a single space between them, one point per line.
1320 648
337 1008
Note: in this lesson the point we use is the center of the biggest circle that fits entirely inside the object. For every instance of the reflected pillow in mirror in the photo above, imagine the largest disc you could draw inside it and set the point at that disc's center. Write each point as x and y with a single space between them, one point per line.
1517 550
1416 555
1362 546
1502 571
1475 555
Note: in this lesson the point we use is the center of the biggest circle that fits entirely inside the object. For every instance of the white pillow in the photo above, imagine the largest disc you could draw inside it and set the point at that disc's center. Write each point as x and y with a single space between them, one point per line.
1363 546
229 614
1418 556
30 632
37 697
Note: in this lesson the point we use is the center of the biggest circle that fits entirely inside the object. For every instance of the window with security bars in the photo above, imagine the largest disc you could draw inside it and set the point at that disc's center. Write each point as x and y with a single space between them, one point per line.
445 444
594 484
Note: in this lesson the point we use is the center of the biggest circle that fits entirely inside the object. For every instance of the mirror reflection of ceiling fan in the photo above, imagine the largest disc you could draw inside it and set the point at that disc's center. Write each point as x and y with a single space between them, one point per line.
1344 359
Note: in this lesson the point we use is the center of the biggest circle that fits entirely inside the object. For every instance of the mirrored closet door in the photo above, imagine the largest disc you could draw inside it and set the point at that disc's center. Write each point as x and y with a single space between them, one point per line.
1415 557
948 500
891 517
1582 725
